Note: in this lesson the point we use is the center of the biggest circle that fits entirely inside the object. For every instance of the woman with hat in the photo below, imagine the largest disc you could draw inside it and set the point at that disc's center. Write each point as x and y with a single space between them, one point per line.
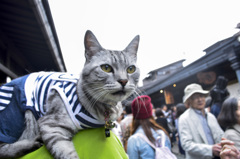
144 123
199 131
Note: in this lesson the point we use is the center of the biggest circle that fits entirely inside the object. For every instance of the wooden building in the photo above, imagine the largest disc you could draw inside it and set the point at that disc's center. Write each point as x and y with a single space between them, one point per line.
28 39
221 59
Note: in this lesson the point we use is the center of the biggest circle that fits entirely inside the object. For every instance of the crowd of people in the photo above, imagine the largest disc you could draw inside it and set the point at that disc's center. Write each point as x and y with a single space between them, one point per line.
143 132
191 125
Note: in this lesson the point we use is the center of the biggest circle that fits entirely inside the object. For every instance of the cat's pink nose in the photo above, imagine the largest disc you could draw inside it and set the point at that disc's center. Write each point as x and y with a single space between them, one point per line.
123 82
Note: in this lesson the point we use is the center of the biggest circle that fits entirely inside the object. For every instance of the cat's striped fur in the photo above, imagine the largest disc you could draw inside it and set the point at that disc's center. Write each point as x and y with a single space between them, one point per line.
108 77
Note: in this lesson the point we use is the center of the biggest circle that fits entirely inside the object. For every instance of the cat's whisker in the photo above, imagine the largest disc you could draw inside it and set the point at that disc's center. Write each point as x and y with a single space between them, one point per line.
95 95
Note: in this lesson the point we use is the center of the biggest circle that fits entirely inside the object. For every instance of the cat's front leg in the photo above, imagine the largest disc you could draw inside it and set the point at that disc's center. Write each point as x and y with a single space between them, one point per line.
18 148
58 139
57 129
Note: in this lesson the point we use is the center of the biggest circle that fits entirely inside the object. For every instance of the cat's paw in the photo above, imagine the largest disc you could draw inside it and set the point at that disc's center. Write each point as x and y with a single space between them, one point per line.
34 144
38 139
24 147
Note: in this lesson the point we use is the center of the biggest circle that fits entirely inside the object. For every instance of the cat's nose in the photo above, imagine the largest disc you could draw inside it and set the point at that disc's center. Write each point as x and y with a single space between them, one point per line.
123 82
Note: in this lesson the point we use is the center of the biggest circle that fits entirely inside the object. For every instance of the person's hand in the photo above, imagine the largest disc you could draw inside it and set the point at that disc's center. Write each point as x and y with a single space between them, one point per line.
216 149
229 151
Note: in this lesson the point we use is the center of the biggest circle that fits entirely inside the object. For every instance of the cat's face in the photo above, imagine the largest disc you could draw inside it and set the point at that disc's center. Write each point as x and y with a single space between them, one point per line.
109 76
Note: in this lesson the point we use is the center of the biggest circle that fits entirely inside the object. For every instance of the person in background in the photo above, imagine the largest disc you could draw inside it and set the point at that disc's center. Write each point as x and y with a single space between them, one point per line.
181 108
199 131
164 109
144 123
161 120
153 111
117 129
174 112
172 123
208 104
218 93
229 120
167 113
126 124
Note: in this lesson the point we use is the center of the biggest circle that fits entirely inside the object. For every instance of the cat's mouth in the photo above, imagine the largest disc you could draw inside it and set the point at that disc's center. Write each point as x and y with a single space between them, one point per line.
122 92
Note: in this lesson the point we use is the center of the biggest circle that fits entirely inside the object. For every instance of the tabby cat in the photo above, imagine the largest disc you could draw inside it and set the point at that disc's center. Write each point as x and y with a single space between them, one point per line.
52 107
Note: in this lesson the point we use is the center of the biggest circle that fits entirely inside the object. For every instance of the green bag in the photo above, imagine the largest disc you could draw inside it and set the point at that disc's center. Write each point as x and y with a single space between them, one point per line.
89 144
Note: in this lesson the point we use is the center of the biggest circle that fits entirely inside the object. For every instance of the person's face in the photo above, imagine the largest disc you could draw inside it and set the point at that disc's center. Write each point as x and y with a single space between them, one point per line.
238 112
197 101
165 108
175 108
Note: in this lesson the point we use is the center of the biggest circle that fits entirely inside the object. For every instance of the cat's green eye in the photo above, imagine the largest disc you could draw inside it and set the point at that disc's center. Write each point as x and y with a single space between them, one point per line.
106 68
131 69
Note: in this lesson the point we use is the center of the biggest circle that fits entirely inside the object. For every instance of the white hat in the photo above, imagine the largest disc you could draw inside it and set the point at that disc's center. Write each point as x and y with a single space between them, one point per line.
191 89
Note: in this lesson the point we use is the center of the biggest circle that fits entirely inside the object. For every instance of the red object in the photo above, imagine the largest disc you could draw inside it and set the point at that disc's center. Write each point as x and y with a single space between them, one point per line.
142 107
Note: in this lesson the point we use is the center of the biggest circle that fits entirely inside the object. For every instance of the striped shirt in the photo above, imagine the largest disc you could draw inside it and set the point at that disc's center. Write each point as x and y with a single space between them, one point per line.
5 96
37 87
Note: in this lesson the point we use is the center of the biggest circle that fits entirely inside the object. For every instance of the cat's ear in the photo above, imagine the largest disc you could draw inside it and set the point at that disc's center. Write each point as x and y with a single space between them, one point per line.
133 46
92 46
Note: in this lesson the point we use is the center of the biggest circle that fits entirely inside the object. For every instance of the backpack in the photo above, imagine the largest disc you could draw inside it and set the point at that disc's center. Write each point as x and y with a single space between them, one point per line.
161 151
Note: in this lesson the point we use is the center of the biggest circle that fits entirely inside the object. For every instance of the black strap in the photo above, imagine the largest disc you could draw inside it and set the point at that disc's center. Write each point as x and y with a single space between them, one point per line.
107 132
231 127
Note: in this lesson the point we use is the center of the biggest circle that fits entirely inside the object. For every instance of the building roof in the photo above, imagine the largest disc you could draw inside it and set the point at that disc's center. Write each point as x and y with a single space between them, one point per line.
216 54
167 71
167 66
28 34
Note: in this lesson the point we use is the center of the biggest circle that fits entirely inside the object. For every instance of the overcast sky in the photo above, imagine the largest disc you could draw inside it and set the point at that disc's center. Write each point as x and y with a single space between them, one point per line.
169 30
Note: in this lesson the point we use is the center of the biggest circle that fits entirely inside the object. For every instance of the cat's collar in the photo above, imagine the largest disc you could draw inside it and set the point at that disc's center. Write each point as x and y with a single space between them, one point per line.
108 123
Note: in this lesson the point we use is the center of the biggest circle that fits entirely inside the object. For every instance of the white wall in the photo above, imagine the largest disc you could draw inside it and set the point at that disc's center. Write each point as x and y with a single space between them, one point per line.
234 89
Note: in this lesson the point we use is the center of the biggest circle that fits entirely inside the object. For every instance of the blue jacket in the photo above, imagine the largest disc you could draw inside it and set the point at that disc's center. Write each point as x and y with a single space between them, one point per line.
137 148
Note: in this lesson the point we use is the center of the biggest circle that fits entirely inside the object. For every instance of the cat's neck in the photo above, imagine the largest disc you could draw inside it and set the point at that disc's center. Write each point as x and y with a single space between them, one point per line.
98 108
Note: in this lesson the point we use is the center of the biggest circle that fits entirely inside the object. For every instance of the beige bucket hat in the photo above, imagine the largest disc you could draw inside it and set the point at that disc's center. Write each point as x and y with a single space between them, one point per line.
191 89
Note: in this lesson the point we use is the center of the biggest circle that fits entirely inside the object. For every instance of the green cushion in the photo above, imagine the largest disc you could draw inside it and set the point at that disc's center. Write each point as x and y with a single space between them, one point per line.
89 144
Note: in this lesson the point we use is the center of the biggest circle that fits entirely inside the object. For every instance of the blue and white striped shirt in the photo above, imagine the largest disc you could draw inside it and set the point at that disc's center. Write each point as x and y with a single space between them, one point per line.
35 93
